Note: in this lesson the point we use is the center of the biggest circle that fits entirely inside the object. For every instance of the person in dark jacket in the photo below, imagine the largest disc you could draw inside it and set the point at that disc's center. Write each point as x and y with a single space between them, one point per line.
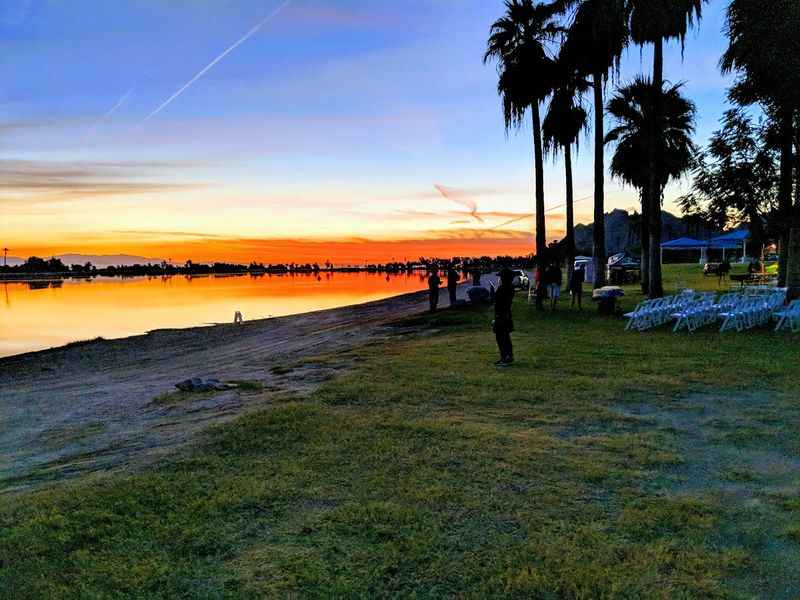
433 289
452 285
476 277
554 278
503 323
576 286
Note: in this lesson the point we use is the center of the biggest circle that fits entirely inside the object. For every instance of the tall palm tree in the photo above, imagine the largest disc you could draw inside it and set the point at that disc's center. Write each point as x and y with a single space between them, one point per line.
636 108
519 41
764 51
597 36
654 22
565 119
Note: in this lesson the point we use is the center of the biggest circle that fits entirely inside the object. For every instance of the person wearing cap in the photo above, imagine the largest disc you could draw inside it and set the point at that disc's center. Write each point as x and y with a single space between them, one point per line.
503 323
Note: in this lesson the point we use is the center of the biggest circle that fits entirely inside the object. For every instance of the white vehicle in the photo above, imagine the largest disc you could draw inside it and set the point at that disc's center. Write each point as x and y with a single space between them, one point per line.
520 280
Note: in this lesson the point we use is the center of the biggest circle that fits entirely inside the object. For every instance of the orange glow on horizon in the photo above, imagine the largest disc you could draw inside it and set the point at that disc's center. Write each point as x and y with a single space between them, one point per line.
341 252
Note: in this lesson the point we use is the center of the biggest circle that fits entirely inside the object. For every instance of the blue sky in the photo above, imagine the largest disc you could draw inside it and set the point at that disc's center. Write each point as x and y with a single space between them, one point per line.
334 121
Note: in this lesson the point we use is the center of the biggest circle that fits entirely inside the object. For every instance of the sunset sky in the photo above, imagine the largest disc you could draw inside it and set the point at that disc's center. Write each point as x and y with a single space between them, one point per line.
321 136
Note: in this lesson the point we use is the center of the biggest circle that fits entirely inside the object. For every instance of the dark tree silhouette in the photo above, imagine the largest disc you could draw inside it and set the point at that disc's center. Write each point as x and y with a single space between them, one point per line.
633 108
736 177
597 36
519 41
565 119
764 52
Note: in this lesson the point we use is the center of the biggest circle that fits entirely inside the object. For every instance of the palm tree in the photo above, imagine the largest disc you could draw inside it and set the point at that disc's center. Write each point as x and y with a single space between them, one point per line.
518 42
637 108
772 78
565 119
653 22
597 36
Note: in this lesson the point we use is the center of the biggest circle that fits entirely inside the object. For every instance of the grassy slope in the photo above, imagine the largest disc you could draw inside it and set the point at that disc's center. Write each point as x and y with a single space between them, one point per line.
429 472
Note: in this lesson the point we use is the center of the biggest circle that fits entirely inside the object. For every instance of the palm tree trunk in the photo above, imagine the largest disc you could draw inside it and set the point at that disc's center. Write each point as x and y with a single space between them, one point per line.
796 214
570 212
538 157
656 285
599 182
541 233
785 190
644 239
793 253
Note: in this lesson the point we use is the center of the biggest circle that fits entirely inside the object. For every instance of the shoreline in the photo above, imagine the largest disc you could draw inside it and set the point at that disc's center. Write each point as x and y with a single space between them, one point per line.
21 277
89 406
101 339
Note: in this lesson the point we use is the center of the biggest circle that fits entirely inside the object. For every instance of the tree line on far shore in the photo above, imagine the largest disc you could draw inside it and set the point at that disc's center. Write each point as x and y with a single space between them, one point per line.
561 54
55 266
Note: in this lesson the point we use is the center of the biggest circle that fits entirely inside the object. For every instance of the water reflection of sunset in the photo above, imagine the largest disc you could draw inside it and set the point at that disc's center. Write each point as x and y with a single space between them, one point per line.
51 314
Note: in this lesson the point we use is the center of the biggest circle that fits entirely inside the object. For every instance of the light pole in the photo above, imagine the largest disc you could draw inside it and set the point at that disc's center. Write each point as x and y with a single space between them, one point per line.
5 257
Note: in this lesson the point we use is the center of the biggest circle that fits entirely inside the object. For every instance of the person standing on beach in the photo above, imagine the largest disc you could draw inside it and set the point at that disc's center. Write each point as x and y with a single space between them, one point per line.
503 323
452 284
433 289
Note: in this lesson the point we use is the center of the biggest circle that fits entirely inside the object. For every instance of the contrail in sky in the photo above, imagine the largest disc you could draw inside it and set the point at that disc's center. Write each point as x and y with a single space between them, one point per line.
459 198
211 65
107 115
119 103
531 215
548 210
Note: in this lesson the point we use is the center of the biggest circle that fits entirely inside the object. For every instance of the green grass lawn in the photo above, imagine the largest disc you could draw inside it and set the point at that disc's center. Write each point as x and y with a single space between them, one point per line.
603 464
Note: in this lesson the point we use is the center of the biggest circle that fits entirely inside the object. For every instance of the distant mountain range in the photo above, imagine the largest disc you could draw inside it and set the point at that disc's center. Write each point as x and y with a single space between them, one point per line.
98 260
622 231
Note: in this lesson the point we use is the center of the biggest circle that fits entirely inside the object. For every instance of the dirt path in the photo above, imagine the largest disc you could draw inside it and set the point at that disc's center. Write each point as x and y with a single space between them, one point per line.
89 406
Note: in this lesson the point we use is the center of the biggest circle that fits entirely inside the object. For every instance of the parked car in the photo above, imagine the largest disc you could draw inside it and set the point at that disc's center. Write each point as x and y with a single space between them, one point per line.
521 280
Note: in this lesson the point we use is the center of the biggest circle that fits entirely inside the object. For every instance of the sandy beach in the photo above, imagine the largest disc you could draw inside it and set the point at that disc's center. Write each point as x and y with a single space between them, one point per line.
89 406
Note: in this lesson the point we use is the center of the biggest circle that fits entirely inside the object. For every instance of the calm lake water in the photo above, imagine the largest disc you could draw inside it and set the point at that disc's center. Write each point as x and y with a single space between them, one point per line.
35 316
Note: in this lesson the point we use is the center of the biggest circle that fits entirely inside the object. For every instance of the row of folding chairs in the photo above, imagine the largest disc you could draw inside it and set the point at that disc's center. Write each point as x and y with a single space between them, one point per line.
656 312
703 311
739 311
748 312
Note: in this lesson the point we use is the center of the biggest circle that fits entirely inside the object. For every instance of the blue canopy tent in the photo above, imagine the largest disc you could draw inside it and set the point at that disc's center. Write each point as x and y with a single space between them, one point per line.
686 243
735 240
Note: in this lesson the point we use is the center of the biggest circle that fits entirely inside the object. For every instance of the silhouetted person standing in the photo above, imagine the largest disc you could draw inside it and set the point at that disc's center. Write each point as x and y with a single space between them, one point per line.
452 285
576 286
503 323
723 270
476 277
554 278
433 289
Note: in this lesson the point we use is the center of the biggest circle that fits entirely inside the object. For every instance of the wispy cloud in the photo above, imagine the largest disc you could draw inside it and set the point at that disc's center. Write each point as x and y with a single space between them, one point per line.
154 233
9 127
47 181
